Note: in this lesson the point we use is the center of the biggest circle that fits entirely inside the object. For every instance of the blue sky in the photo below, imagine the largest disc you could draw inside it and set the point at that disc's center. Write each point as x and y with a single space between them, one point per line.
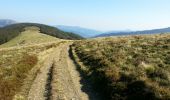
104 15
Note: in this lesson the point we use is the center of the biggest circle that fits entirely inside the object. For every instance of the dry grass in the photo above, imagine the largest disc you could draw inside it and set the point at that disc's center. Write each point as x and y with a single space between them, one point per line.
19 63
13 71
128 67
15 66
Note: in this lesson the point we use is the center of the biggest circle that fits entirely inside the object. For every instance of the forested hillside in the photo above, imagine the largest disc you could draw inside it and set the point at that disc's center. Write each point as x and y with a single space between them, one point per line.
11 31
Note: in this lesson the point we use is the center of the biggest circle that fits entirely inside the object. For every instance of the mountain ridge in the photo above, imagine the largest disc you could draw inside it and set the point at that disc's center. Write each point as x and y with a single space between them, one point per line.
152 31
6 22
84 32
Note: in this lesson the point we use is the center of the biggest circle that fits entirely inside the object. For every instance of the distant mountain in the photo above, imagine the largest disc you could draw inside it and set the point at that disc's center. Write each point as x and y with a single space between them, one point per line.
154 31
6 22
11 31
84 32
117 31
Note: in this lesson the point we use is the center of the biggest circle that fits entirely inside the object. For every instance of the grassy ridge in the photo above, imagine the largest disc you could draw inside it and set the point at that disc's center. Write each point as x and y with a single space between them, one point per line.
9 32
30 36
128 68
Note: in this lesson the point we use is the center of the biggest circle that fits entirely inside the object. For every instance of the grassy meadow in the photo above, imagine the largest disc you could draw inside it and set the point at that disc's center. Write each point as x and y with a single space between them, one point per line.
127 67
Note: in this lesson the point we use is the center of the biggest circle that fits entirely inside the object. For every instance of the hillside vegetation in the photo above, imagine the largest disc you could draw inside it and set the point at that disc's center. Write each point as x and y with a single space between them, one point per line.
129 67
9 32
20 61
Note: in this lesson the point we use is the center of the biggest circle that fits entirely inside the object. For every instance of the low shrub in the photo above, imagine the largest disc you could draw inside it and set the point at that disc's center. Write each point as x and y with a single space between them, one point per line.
128 68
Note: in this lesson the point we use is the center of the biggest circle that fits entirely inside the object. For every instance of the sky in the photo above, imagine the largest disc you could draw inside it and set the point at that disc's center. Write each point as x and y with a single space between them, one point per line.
103 15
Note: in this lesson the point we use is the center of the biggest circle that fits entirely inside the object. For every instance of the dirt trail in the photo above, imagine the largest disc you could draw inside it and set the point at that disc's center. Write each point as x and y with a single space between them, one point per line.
66 80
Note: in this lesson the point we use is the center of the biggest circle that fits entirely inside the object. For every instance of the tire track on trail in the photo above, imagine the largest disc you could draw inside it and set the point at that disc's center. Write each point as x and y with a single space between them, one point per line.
63 87
66 83
39 89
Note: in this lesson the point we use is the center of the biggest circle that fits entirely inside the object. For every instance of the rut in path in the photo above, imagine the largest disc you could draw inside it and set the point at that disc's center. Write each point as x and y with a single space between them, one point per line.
66 80
64 83
38 88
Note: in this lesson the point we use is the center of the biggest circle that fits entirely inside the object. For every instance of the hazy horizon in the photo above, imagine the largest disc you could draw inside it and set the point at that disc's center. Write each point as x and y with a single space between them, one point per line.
99 15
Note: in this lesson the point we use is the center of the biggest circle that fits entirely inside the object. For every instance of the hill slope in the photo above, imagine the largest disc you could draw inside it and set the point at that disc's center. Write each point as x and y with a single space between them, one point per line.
11 31
154 31
28 63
